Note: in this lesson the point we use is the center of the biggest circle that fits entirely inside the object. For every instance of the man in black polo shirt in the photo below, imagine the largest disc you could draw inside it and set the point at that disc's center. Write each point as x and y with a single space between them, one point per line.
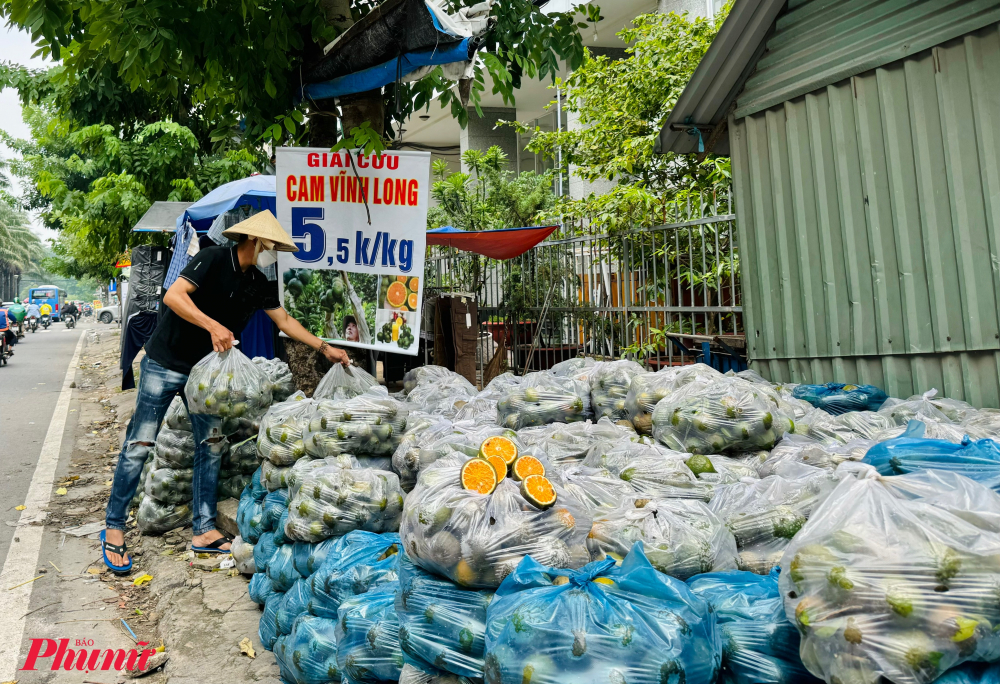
216 294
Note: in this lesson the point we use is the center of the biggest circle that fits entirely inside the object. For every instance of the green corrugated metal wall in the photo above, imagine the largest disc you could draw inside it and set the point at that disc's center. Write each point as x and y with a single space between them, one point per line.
869 222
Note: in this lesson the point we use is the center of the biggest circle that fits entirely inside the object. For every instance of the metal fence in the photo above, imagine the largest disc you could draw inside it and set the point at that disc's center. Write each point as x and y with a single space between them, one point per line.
644 294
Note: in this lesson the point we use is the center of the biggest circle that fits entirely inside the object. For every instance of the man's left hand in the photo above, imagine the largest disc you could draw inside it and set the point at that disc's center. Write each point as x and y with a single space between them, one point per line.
334 355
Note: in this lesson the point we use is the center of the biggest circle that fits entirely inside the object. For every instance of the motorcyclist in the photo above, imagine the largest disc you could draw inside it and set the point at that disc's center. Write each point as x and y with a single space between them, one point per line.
69 309
33 312
5 329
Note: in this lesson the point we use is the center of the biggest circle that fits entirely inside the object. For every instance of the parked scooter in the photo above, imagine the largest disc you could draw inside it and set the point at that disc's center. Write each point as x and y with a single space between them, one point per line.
32 322
46 321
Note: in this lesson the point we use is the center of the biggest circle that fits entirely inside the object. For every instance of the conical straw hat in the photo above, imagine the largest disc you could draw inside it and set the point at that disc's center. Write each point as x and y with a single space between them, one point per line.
263 225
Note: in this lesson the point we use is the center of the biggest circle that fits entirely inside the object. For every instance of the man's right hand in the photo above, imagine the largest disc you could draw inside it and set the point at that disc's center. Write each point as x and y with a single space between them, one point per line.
222 337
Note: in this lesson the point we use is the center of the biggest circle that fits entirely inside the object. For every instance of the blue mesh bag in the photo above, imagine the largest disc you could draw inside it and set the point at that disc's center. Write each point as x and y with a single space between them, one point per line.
837 398
759 644
970 673
364 562
257 488
977 460
308 655
263 550
308 557
368 637
275 504
249 516
295 602
281 568
603 623
440 623
267 630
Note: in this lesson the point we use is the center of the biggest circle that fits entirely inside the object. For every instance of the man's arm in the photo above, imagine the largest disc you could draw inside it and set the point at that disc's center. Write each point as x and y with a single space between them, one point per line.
296 331
178 298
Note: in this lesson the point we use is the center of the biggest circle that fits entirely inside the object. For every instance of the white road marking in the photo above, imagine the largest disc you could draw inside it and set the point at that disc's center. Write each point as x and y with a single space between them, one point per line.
22 558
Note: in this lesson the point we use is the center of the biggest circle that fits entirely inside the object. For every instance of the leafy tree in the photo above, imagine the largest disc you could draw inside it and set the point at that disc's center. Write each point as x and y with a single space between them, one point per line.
621 106
238 66
20 249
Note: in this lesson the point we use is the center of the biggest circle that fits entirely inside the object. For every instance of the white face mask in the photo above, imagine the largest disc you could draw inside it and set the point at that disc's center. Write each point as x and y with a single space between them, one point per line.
266 255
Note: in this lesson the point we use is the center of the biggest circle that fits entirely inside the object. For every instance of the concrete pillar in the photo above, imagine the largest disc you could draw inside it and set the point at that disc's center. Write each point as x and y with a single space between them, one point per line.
481 135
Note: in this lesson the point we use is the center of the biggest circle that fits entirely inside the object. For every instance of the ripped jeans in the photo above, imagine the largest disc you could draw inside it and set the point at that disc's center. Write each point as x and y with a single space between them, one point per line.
157 388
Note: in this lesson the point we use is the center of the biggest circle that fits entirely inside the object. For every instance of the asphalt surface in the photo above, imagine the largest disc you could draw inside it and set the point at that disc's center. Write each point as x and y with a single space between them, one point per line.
29 387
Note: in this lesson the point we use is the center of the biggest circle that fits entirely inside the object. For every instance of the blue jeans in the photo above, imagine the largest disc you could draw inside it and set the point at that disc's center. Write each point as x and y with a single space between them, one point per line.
157 388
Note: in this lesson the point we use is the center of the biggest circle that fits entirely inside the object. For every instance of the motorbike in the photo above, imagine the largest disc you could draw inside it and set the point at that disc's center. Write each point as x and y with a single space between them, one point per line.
32 323
70 321
46 321
5 349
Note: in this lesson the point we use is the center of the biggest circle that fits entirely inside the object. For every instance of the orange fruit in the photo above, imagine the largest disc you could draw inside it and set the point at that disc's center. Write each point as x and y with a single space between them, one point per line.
478 476
401 279
538 490
499 446
414 284
499 466
526 465
396 295
412 300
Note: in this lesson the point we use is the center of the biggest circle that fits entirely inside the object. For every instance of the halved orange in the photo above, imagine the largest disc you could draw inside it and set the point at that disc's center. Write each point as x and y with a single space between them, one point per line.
401 279
412 300
538 490
414 284
526 465
499 446
499 465
396 295
478 476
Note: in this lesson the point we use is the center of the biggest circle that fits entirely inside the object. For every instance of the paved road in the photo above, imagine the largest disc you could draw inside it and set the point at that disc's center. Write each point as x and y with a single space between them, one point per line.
29 387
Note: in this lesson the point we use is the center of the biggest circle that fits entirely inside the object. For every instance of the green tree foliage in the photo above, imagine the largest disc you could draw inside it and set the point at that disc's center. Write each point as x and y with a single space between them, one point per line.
621 105
238 66
490 197
94 183
20 249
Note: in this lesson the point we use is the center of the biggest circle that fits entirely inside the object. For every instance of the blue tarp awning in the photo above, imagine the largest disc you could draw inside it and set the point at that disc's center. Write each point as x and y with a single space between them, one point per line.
257 191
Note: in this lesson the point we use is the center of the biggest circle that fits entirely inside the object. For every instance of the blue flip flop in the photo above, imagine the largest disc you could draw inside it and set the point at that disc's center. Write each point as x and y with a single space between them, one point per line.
120 550
214 546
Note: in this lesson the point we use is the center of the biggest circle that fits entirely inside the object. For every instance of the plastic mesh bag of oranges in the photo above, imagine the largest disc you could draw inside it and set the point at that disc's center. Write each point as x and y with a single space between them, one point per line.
308 655
279 375
229 385
602 623
681 537
644 392
609 384
544 398
280 437
423 376
461 523
330 501
416 448
651 470
370 424
568 444
356 564
368 637
344 382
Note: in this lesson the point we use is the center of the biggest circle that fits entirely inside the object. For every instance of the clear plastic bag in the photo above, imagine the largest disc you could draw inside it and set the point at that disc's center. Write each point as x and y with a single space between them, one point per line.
730 415
175 448
441 624
765 514
464 439
681 537
440 399
294 603
231 487
881 585
280 439
177 417
572 368
140 491
422 431
837 398
229 385
274 477
368 637
279 375
949 432
651 470
477 539
308 655
798 449
331 501
169 485
155 517
599 624
544 398
482 409
594 488
356 564
281 568
609 384
344 382
432 375
243 555
644 393
927 407
696 374
568 444
979 461
719 470
263 550
260 588
239 458
761 646
367 425
844 428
